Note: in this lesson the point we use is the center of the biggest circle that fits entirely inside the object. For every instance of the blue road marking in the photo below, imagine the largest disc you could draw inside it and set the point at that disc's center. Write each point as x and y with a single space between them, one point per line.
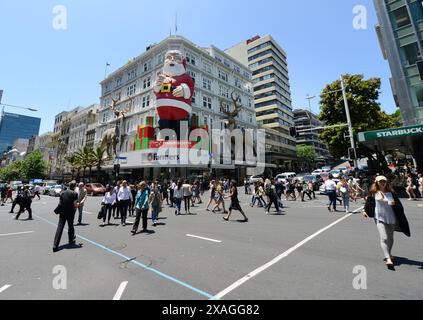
159 273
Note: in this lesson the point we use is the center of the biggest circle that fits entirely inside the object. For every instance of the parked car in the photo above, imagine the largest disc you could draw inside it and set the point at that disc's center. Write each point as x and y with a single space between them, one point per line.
56 191
286 176
95 189
317 172
254 179
314 179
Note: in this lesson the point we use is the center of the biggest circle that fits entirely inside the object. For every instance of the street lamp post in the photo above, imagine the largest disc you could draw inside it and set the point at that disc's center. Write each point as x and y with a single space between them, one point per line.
347 111
350 129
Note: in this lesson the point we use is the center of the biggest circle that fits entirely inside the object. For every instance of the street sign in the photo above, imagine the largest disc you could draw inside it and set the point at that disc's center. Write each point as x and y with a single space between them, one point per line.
121 158
391 133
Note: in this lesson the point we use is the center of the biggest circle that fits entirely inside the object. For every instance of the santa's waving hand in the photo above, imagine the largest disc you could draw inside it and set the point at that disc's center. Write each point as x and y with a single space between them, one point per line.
174 89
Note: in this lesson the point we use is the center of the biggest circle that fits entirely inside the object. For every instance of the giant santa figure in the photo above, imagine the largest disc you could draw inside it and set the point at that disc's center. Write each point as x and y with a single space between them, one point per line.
174 89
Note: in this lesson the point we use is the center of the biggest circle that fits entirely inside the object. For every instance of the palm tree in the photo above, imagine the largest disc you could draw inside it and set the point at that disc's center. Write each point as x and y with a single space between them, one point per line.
75 162
98 157
85 158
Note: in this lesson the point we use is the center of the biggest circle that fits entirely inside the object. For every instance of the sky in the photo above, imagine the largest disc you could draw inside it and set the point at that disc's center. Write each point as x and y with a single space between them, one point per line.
52 69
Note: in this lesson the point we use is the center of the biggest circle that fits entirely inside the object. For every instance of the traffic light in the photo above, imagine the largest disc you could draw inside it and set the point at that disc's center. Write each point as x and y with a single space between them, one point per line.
293 132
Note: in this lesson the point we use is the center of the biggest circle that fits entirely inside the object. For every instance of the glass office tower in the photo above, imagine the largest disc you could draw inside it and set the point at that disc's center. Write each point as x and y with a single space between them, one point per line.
16 126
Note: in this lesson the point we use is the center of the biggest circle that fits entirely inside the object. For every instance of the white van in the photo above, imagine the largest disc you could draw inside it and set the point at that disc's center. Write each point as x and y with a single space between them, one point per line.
286 176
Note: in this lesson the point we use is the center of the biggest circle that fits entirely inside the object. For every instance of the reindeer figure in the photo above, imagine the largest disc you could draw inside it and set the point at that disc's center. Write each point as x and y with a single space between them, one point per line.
112 136
232 115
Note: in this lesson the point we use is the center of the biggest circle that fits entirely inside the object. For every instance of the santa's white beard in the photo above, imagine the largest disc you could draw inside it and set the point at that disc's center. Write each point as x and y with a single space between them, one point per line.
176 70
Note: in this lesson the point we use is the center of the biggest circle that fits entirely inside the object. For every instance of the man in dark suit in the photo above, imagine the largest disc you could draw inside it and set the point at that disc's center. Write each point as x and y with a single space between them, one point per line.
69 204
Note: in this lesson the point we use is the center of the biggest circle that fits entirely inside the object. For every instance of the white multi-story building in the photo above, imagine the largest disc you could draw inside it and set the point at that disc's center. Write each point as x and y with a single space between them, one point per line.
216 76
78 128
272 93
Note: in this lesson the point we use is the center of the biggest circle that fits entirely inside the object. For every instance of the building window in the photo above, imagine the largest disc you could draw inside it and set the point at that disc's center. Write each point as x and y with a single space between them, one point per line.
207 83
146 101
146 83
131 90
224 92
160 58
400 17
119 81
223 75
132 74
191 59
207 102
410 54
147 66
193 75
193 98
207 67
118 95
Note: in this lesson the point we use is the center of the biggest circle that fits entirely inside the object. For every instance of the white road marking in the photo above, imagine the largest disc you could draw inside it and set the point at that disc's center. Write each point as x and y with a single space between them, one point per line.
120 290
4 288
87 212
13 234
212 240
257 271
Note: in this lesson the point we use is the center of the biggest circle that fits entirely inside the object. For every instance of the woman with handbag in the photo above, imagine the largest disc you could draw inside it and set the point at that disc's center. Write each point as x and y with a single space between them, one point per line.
107 203
385 207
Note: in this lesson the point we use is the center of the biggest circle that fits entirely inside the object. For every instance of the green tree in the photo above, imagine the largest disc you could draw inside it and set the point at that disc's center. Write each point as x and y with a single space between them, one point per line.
365 111
34 166
98 158
12 172
307 153
397 118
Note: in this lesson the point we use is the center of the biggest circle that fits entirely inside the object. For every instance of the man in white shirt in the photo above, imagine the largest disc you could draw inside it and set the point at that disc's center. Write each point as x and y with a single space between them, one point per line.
330 187
124 197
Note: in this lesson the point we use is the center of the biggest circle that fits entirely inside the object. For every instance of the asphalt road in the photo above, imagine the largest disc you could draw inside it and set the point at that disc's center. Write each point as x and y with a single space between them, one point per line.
306 253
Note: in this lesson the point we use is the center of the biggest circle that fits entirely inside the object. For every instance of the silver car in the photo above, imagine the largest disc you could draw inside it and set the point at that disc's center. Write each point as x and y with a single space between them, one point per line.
56 191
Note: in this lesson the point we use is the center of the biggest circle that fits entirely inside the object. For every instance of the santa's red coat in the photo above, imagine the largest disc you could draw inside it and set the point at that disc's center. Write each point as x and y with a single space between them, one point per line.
170 107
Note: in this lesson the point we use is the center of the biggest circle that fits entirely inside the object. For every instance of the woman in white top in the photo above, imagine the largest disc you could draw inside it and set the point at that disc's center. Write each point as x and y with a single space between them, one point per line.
385 207
108 202
187 192
178 195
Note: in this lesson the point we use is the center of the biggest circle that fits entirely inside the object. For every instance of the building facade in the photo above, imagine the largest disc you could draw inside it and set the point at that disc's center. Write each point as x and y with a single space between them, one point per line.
400 33
272 97
307 121
79 123
9 132
216 76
